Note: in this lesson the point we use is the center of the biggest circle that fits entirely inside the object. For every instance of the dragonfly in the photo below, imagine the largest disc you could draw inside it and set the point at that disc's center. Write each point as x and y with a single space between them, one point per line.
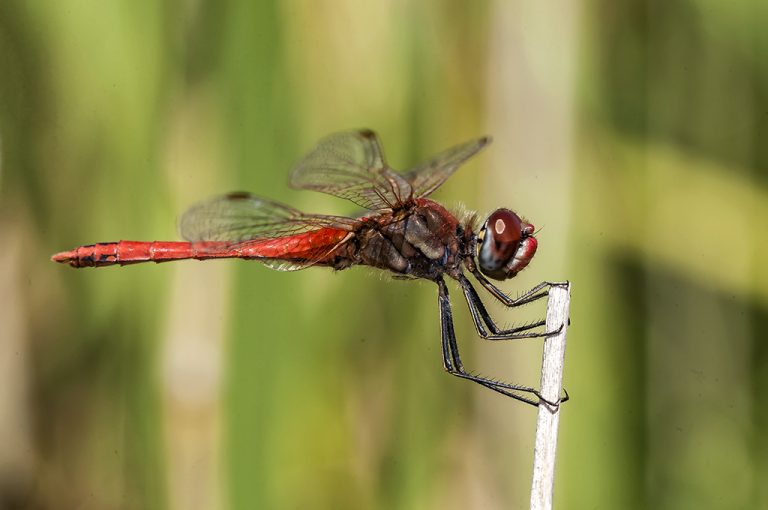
401 231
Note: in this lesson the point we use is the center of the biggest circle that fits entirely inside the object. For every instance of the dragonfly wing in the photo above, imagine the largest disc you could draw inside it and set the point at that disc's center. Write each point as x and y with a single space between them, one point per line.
351 165
241 217
278 235
427 177
286 265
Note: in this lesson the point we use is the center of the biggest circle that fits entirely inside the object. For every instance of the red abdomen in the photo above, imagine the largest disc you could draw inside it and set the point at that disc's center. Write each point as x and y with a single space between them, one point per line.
314 247
131 252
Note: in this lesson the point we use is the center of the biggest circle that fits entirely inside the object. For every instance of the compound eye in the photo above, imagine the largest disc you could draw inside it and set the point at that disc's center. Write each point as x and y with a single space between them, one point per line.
500 239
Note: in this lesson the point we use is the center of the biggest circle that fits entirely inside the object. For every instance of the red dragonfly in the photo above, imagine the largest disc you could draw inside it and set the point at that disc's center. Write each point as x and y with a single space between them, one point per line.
404 232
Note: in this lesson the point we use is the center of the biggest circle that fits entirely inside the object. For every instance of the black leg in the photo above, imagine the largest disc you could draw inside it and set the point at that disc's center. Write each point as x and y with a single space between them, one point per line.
480 315
452 360
538 292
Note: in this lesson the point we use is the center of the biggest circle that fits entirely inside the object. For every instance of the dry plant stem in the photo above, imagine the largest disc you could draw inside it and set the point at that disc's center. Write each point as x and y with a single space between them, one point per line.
551 386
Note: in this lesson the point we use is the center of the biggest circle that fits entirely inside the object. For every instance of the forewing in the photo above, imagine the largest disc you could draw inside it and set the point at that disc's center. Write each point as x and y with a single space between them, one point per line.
351 165
426 178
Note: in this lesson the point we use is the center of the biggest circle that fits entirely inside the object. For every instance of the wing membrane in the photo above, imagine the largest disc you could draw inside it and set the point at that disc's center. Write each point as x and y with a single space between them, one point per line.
427 177
278 236
351 165
241 217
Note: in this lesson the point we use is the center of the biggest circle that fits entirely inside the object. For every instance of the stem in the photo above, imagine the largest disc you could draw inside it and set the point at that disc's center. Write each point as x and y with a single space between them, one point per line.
551 385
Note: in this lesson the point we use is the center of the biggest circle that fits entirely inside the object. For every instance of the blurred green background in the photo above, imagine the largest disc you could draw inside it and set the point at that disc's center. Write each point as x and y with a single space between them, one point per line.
634 132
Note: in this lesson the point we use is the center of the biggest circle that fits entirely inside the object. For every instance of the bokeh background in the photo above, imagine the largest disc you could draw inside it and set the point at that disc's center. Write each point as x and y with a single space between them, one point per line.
634 132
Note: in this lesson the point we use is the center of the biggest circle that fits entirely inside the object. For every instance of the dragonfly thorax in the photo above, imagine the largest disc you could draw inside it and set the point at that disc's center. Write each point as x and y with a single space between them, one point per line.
419 241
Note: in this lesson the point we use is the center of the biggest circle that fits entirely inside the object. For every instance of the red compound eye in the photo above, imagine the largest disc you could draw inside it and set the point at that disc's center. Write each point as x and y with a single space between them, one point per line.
501 237
505 226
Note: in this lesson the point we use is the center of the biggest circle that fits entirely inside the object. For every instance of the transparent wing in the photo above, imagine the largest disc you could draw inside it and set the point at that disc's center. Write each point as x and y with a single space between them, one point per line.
276 235
351 165
241 217
427 177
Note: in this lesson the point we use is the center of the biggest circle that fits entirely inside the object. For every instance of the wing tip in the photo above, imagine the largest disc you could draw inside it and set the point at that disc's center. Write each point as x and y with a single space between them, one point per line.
367 133
239 195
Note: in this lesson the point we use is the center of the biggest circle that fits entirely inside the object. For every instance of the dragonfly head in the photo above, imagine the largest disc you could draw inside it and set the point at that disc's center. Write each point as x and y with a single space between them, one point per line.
505 245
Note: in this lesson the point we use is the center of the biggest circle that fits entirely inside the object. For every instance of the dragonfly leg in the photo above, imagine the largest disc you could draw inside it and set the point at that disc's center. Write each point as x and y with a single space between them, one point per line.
480 315
538 292
453 365
451 360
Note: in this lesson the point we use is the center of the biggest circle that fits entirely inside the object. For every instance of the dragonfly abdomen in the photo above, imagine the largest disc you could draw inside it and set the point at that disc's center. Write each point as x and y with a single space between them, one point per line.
133 252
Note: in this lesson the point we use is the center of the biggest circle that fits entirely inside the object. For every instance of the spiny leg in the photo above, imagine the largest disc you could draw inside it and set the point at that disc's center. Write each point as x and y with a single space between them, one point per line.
452 360
477 310
534 294
480 314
